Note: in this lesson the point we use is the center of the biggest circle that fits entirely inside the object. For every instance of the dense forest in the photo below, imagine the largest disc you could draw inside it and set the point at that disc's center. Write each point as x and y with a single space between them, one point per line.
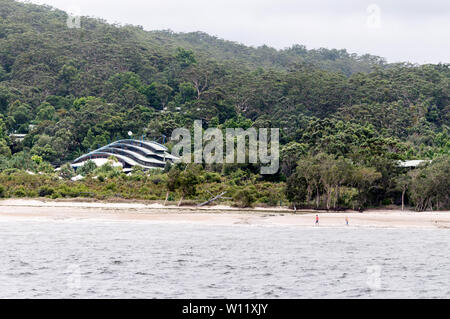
345 120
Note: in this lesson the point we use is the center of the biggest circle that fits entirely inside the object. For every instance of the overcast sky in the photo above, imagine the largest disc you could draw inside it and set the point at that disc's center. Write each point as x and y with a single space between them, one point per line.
413 30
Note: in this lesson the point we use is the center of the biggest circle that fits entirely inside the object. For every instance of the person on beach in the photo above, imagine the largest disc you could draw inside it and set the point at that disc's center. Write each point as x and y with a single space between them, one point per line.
317 220
346 220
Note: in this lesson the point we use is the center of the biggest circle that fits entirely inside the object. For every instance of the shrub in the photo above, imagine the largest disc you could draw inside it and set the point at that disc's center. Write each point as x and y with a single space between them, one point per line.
239 177
20 192
167 167
156 180
2 191
37 159
348 197
137 177
211 177
245 197
45 167
111 186
269 200
73 190
10 171
144 190
137 173
109 171
66 171
45 191
55 195
88 167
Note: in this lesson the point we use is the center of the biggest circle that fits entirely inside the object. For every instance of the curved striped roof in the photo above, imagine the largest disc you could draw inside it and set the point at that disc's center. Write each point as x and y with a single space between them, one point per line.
120 158
153 145
144 150
138 157
131 152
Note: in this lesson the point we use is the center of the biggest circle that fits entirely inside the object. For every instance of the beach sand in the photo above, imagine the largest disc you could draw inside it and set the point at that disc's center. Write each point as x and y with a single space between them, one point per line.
32 209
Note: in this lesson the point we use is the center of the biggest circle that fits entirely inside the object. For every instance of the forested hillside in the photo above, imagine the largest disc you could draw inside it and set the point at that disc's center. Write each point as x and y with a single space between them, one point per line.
71 90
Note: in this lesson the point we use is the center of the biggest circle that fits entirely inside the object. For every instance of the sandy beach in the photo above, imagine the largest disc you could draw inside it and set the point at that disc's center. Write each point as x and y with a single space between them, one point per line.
28 209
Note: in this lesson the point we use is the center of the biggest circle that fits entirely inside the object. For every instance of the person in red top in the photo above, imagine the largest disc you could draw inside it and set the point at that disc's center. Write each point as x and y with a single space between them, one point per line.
317 220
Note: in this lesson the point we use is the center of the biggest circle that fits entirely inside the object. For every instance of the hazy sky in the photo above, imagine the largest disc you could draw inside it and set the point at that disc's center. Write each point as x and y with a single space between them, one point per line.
414 30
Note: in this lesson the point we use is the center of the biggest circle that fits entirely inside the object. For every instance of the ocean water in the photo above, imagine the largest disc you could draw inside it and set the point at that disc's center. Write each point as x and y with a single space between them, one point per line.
136 259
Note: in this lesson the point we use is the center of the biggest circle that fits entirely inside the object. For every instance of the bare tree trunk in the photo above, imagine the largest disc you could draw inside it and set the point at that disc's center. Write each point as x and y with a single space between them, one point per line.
167 197
308 194
212 199
425 204
181 199
336 196
403 199
329 193
317 197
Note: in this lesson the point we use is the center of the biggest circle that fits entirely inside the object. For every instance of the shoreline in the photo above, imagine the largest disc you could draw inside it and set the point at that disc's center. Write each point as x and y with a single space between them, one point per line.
44 209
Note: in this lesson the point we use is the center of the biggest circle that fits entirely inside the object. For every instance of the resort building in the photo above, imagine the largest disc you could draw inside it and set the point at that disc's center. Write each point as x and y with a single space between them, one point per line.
129 153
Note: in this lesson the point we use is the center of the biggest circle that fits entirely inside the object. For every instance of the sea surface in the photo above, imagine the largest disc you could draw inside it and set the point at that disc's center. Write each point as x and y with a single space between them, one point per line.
139 259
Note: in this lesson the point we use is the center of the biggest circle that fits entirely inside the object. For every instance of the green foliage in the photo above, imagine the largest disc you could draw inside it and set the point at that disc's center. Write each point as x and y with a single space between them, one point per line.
87 168
185 180
289 156
185 57
138 173
187 92
158 94
320 180
45 112
296 189
211 177
85 95
45 191
239 122
37 159
20 114
4 149
167 167
363 179
21 160
2 73
245 197
107 170
66 171
429 185
20 192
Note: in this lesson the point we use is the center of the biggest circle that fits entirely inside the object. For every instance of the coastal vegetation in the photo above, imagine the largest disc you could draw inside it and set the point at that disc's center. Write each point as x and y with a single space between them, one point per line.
319 182
346 121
